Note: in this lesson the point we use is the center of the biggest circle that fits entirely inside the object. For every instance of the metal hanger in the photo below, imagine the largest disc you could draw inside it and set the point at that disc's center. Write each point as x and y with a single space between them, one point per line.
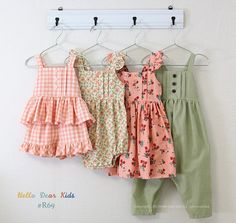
56 44
97 44
135 44
185 49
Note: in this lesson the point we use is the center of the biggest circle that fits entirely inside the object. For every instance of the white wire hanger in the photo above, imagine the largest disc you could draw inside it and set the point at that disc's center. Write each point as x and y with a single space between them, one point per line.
174 44
136 45
56 44
95 27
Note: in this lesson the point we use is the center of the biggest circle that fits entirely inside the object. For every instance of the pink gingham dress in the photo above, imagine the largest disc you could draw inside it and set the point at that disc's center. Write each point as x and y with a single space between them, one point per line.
56 117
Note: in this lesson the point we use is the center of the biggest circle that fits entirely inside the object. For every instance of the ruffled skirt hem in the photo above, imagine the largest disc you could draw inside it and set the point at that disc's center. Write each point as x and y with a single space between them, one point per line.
55 111
56 150
93 161
136 174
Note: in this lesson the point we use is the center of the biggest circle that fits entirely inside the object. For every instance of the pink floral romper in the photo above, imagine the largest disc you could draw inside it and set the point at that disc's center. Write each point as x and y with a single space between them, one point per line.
56 117
151 152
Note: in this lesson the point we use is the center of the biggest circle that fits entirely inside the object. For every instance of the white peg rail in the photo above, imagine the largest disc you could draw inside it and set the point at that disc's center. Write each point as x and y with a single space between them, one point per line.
116 19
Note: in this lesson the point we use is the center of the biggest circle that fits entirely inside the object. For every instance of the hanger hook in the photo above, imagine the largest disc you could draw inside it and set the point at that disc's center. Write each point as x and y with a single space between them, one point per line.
134 18
172 30
98 37
134 21
58 37
95 19
177 34
57 21
173 20
136 37
135 25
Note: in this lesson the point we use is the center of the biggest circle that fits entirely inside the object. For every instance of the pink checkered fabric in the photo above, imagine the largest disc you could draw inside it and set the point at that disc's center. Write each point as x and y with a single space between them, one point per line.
60 141
56 116
60 81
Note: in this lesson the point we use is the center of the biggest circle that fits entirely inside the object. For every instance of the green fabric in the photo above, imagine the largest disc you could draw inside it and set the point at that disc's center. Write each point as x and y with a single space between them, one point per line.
193 180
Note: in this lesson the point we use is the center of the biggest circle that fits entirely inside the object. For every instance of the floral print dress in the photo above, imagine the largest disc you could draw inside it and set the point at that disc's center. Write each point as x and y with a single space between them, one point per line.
104 93
151 152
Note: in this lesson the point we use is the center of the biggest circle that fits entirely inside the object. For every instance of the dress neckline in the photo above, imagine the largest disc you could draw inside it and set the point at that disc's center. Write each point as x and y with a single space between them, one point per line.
154 62
114 60
188 67
65 66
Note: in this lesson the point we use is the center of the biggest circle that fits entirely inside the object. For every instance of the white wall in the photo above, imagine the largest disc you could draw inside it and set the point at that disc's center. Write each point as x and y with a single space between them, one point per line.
210 29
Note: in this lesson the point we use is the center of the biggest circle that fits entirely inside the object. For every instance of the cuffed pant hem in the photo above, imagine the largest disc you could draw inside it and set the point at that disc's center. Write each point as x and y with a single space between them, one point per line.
143 211
200 214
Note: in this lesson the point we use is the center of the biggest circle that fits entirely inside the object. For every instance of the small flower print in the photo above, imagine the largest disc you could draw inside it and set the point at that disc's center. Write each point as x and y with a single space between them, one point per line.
151 172
136 98
146 152
135 83
144 92
162 151
151 82
126 155
132 174
165 138
146 118
122 163
155 146
143 164
143 128
138 173
150 92
167 124
141 143
139 74
133 162
144 81
152 160
162 171
172 160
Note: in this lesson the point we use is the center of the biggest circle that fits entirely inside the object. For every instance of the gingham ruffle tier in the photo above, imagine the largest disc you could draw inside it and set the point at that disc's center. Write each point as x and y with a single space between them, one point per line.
59 141
56 110
55 150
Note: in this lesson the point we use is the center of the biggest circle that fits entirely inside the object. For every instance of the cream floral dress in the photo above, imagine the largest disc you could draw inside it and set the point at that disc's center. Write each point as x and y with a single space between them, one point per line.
104 94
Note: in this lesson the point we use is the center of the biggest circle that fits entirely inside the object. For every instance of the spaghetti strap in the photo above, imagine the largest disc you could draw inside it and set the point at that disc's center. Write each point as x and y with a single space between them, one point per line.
115 60
39 60
81 63
72 57
155 61
190 62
